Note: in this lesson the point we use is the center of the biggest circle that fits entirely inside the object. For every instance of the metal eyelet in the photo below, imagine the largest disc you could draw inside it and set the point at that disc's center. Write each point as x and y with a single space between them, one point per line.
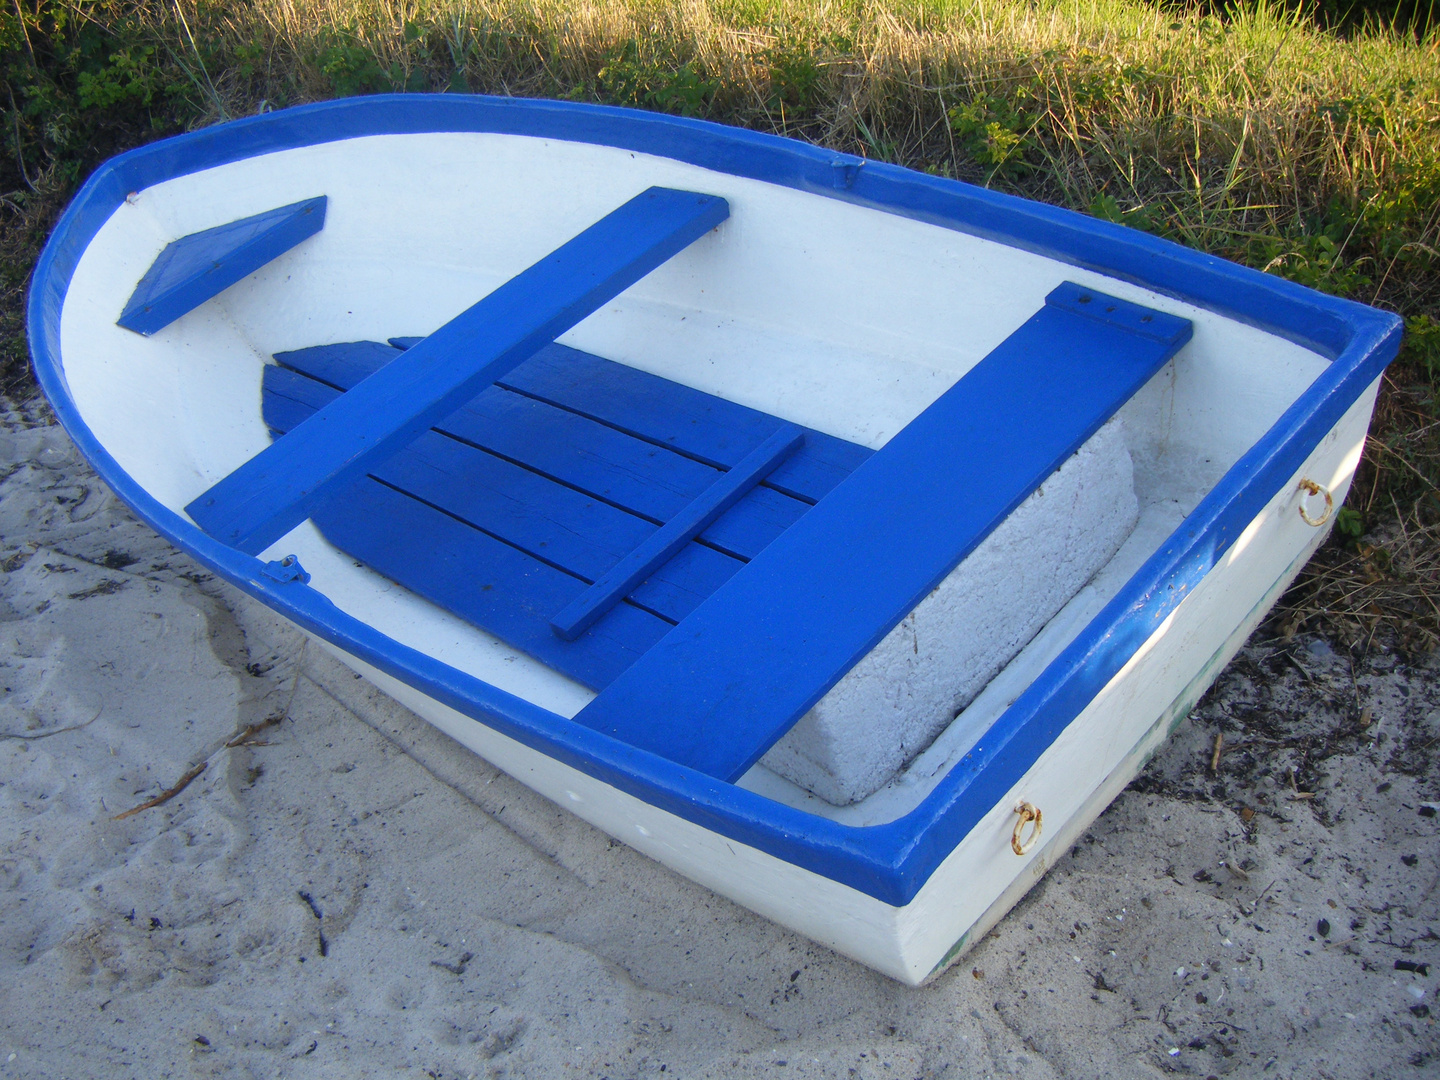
1312 488
1029 815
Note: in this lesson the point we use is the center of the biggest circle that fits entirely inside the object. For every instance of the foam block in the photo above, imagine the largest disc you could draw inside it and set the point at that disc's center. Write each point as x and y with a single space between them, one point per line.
891 704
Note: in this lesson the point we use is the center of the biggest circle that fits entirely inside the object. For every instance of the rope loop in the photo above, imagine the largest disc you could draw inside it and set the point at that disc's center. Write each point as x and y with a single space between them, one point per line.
1029 815
1312 488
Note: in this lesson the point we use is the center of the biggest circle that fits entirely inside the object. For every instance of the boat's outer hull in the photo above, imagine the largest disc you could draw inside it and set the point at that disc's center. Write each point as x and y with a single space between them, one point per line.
901 895
982 878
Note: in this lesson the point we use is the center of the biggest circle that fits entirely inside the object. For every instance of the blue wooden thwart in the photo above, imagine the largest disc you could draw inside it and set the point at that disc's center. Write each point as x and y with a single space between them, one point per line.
281 486
740 670
197 267
662 545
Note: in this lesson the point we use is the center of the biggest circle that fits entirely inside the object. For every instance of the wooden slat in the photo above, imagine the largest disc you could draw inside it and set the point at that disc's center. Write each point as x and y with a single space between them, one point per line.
658 548
343 365
197 267
551 522
483 581
627 472
282 485
706 427
694 423
734 676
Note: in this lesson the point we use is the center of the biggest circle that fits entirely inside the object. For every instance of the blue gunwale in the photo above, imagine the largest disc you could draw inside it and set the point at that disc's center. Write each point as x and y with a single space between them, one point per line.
889 862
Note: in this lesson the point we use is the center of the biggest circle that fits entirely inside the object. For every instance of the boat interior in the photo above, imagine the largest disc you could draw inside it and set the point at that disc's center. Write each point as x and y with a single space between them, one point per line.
678 370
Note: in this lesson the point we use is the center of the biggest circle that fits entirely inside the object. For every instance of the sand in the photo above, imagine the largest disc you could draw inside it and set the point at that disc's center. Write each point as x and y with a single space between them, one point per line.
349 894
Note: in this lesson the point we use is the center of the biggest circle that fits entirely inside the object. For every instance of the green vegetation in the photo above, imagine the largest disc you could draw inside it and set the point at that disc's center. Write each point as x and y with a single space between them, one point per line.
1251 133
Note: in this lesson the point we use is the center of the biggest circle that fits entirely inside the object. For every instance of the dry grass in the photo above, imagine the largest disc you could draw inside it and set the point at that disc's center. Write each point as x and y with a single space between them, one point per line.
1385 588
1385 585
1255 136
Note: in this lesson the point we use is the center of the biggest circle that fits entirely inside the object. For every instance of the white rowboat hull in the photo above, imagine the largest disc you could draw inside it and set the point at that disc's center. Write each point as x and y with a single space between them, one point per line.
843 296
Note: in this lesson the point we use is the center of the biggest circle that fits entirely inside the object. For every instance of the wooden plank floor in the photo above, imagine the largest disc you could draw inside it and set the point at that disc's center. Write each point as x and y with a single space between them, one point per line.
511 507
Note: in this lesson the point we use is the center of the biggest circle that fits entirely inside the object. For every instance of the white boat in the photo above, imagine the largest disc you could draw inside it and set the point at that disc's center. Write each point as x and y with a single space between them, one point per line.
842 537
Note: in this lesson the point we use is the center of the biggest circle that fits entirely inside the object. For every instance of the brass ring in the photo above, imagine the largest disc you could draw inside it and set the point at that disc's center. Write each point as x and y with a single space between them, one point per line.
1028 815
1312 488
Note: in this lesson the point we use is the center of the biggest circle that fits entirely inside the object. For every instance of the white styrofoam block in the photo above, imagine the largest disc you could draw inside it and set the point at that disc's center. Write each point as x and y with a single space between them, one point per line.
893 703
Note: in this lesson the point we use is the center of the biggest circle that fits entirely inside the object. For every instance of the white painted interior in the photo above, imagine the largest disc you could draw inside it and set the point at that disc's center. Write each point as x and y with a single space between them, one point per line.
839 317
835 316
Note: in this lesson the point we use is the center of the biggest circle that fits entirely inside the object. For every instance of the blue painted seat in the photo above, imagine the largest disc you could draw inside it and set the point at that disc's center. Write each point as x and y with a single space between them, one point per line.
281 486
197 267
765 647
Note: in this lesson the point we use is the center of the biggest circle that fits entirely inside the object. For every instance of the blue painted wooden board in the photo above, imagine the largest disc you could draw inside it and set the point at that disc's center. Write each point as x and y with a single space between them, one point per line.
197 267
282 485
735 675
646 479
483 581
706 427
694 423
662 545
510 494
548 521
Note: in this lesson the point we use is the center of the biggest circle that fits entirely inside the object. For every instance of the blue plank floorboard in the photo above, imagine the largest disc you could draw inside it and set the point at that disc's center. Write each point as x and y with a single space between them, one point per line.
630 473
282 485
548 521
700 425
662 545
197 267
564 493
737 673
483 581
689 421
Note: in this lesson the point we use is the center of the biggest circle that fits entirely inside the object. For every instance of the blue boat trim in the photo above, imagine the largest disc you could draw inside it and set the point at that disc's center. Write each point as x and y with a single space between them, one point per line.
1268 302
889 862
200 266
286 570
739 671
282 485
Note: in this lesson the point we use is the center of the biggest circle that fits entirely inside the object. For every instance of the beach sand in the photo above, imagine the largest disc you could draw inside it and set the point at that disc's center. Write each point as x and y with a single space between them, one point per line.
347 893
